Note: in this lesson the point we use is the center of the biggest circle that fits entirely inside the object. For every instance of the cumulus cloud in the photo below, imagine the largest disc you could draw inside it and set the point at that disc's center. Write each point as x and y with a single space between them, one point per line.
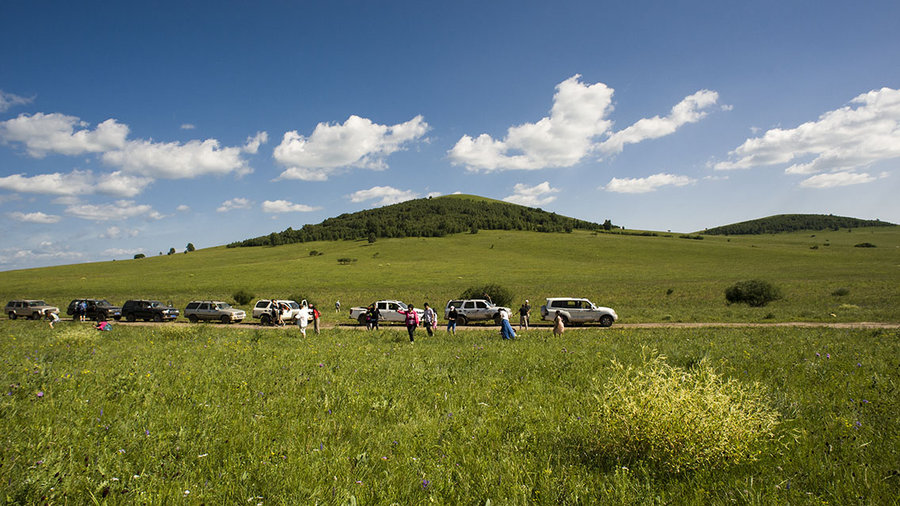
646 184
77 182
120 209
384 195
32 256
174 160
8 100
183 208
283 206
117 252
253 142
235 203
115 232
36 217
188 126
533 196
43 134
574 129
841 142
358 142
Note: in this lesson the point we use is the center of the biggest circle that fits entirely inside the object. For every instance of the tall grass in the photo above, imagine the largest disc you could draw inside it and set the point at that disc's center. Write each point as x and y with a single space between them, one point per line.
207 414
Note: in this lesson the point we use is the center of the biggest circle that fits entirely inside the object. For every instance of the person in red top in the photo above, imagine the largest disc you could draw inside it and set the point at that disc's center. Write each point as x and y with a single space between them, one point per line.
412 321
316 316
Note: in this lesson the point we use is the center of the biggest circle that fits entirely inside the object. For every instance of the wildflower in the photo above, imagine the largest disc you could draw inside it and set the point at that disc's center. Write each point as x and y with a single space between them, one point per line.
828 355
858 364
359 482
121 450
40 394
383 458
817 354
425 484
146 432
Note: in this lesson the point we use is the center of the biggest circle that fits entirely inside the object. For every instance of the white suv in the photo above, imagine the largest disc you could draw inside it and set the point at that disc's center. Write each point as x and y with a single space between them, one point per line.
263 311
475 310
577 310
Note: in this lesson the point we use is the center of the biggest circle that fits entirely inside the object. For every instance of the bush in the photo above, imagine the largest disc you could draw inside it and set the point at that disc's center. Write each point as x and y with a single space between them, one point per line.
840 292
500 295
864 245
139 255
754 292
346 261
681 420
243 297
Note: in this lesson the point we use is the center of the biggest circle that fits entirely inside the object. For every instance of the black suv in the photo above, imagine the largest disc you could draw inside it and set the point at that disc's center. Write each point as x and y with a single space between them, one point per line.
148 310
97 309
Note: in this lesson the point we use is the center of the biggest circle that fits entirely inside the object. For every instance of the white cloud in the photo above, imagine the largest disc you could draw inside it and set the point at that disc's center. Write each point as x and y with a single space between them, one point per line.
235 203
77 182
646 184
283 206
188 126
32 256
840 142
120 209
36 217
115 232
689 110
43 134
252 144
183 208
386 194
533 196
357 143
8 100
433 194
117 252
835 179
577 122
174 160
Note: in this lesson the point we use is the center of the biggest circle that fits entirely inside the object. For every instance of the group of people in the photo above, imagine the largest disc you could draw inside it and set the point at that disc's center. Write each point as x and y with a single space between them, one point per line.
280 309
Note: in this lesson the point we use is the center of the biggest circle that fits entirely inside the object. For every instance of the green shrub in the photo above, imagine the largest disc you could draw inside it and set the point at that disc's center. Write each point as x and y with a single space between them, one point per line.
840 292
500 295
754 292
864 245
243 297
680 420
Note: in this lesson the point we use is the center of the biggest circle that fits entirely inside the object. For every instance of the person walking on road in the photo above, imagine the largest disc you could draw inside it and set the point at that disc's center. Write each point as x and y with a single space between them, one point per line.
429 320
558 327
412 321
303 321
524 315
451 320
506 330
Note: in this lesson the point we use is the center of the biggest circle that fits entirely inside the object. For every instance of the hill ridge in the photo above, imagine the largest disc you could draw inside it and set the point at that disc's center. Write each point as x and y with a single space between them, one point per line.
793 223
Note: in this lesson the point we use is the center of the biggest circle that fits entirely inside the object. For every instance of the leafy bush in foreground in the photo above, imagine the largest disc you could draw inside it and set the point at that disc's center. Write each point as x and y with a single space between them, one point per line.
681 420
754 292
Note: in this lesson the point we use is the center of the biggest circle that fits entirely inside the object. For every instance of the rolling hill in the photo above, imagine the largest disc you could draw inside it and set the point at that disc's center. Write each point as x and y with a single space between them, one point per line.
793 223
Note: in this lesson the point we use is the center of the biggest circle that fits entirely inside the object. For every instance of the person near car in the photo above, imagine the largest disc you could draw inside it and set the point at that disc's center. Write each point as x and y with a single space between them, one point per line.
506 330
558 327
303 322
412 321
53 317
429 320
103 325
372 317
315 315
82 310
485 296
451 320
524 315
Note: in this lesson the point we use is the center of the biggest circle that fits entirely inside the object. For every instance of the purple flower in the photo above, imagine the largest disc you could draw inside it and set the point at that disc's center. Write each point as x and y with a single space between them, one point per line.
817 354
828 355
40 394
425 484
858 364
146 432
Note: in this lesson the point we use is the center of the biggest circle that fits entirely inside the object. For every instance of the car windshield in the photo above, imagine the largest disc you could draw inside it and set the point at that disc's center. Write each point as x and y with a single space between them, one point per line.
223 305
37 303
156 303
588 304
294 305
402 306
103 303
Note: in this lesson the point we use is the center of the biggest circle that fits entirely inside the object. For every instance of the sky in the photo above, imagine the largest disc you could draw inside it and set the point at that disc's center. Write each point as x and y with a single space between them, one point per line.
136 127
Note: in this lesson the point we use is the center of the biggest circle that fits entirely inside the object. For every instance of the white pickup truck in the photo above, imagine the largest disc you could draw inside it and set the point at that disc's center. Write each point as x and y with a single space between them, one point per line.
577 310
474 310
388 310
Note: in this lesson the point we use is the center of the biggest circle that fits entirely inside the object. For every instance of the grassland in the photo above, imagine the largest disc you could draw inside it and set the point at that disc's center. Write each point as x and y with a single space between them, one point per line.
630 273
207 414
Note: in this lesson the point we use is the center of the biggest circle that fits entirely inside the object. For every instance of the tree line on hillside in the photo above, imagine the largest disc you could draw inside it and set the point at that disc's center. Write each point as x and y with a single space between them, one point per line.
427 218
792 223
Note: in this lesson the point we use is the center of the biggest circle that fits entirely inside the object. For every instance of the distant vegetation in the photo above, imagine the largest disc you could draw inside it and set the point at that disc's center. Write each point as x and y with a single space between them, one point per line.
754 292
793 223
433 217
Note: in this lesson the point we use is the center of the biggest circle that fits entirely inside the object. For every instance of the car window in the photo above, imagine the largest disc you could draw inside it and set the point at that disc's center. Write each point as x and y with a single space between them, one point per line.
481 305
294 305
223 305
103 303
394 306
262 303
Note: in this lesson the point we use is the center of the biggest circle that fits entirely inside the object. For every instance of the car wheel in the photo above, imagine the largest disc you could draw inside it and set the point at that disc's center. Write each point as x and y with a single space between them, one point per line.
117 317
361 319
130 317
12 315
565 320
35 316
193 318
226 320
101 317
265 320
462 320
606 321
157 317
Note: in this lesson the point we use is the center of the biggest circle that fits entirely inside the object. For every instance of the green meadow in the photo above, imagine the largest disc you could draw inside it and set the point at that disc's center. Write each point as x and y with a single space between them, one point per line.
645 278
215 415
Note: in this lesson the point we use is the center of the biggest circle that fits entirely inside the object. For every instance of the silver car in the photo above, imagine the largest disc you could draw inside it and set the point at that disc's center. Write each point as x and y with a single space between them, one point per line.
213 310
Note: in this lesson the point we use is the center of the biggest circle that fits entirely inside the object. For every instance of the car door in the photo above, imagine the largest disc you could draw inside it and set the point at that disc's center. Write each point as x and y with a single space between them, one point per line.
482 311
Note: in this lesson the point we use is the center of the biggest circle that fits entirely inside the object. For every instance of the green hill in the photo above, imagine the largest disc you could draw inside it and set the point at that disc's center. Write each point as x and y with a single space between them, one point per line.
427 217
793 223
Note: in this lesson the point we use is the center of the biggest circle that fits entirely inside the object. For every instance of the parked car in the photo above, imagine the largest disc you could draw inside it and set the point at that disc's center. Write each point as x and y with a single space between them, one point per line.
97 309
388 310
263 310
147 310
475 310
577 310
28 308
213 310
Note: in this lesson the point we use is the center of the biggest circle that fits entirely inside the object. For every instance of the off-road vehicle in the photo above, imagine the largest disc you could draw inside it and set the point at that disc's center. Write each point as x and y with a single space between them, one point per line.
97 309
577 310
148 310
27 308
475 310
213 310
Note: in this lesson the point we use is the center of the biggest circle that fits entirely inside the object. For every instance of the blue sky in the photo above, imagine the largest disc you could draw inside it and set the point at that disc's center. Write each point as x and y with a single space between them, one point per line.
131 127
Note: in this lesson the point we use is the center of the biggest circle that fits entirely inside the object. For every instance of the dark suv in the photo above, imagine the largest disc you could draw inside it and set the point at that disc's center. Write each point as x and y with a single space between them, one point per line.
148 310
97 309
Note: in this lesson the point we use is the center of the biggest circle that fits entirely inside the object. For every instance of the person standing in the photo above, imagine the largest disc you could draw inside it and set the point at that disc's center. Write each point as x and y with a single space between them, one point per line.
429 320
451 320
524 315
412 321
372 316
337 306
316 315
303 321
506 330
558 327
82 310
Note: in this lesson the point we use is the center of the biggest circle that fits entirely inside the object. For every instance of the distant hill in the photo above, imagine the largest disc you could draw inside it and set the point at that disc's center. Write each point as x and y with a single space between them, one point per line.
428 217
792 223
